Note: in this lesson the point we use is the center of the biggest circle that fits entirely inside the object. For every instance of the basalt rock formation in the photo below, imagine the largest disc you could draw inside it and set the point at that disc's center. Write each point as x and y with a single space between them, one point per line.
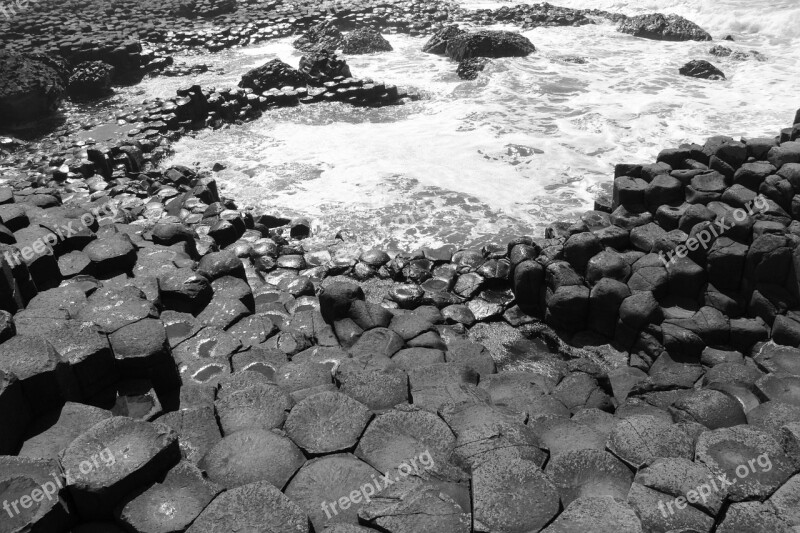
663 28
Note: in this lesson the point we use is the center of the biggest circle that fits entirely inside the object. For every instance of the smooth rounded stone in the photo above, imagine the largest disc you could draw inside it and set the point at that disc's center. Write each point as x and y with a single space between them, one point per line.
197 429
786 153
408 432
499 484
297 376
38 482
459 314
753 460
484 431
327 422
323 489
607 265
642 438
124 454
599 514
259 405
406 296
374 257
171 505
771 415
252 455
184 290
567 436
713 409
336 299
53 432
218 264
754 516
588 473
377 342
112 255
257 506
660 513
45 379
681 477
430 339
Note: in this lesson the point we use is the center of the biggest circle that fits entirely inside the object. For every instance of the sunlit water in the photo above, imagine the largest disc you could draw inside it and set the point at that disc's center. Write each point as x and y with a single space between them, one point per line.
531 141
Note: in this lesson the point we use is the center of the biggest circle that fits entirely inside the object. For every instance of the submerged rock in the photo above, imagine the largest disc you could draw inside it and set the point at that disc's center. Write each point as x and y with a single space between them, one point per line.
470 68
91 79
700 68
663 28
365 41
31 87
273 75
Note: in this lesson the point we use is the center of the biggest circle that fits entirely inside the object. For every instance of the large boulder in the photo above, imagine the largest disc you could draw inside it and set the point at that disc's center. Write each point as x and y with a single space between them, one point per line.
488 43
31 86
365 41
438 43
91 79
320 66
273 75
700 68
663 28
322 36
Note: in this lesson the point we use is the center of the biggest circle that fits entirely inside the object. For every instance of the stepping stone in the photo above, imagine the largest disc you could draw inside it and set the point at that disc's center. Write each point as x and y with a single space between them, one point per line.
218 264
642 438
112 255
414 507
114 458
772 415
53 432
336 299
327 422
498 486
293 376
253 330
112 314
567 436
588 473
682 477
171 505
410 325
369 315
209 345
751 459
142 351
471 354
377 341
31 493
258 405
411 358
598 514
88 352
435 385
786 501
405 433
579 390
753 516
256 506
252 455
710 408
483 432
222 312
379 388
184 290
197 430
662 512
46 379
329 489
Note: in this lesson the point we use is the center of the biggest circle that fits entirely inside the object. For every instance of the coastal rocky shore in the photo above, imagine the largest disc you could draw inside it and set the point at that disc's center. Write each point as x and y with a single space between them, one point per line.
172 362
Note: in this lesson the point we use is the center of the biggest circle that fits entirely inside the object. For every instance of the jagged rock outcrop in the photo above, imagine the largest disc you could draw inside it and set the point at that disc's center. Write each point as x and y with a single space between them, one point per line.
663 28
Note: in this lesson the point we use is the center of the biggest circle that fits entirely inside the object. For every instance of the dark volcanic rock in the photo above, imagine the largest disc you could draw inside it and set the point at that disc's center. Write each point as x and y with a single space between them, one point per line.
91 79
488 43
700 68
438 43
321 66
30 87
273 75
663 28
322 36
469 68
365 41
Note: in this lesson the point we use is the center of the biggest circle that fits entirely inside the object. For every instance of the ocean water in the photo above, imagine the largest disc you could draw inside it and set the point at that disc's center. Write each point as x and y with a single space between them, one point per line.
530 141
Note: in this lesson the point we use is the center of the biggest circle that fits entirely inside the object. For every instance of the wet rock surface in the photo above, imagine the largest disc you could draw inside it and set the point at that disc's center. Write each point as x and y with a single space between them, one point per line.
665 28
